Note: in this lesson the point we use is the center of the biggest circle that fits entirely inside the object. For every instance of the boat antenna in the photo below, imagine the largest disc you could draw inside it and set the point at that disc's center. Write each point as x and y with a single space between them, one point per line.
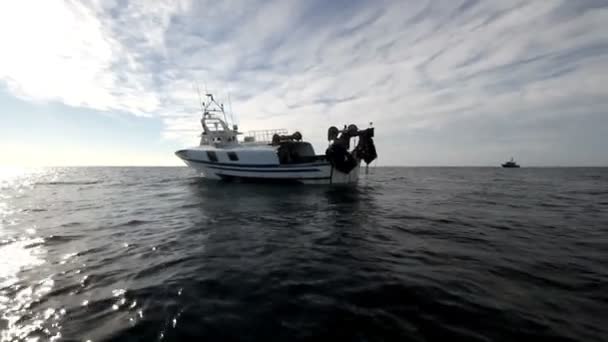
231 112
224 112
200 100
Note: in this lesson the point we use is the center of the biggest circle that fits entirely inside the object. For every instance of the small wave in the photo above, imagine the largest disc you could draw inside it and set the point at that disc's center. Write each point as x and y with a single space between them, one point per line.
34 210
165 194
6 242
173 179
402 178
441 221
589 192
131 223
34 243
550 205
71 224
190 206
58 239
64 290
156 269
503 226
70 183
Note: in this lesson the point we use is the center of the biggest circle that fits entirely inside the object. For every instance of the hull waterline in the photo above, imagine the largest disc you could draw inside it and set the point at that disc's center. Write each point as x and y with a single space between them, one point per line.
311 173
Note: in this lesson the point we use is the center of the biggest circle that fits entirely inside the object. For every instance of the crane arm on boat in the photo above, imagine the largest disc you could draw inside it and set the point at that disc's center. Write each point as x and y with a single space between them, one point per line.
339 156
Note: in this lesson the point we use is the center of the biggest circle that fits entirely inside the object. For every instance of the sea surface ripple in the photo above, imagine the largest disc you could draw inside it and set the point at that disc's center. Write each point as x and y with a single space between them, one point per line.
409 254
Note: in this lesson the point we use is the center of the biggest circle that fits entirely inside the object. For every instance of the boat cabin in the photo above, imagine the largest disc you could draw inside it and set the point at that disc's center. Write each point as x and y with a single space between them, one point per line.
219 143
216 131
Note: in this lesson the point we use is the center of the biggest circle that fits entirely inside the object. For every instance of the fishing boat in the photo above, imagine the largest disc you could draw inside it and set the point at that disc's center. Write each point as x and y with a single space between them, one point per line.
274 155
510 164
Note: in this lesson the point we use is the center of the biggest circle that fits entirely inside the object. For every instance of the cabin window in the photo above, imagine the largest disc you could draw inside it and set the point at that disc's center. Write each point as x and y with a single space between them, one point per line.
232 156
212 156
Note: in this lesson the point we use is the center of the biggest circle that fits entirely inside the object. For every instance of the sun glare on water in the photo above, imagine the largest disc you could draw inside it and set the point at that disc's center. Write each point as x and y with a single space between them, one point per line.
21 250
9 172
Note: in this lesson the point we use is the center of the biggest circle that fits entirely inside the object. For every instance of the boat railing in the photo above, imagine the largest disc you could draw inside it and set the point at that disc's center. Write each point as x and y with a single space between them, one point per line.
263 136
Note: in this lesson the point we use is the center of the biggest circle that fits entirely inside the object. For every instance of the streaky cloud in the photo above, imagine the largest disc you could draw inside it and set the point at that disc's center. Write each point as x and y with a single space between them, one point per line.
405 65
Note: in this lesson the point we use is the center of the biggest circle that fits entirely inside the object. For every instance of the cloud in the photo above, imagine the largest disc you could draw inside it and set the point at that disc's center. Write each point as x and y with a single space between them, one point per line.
408 66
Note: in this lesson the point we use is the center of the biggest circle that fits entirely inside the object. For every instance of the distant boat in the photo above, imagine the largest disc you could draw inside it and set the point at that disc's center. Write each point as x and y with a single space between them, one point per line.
510 164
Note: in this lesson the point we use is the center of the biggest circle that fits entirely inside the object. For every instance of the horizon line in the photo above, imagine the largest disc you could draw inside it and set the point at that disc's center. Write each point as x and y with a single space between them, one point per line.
371 166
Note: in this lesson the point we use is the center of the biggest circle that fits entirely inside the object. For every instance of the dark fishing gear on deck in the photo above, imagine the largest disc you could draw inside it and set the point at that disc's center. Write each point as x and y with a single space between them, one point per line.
338 152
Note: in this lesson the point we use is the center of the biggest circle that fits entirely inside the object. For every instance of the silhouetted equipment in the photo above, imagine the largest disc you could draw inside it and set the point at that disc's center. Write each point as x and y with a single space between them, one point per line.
332 133
278 139
339 156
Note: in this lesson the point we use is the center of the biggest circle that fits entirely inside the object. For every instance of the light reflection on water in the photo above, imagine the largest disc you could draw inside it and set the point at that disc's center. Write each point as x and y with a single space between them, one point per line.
21 252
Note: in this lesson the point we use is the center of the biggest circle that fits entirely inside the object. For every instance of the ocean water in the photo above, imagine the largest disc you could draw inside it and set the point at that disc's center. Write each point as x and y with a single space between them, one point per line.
410 254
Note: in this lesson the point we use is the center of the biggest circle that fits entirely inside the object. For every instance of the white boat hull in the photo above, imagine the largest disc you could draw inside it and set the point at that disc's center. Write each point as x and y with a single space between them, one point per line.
311 173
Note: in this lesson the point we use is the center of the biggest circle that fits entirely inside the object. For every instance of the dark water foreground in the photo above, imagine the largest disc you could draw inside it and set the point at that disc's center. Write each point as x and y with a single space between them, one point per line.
411 254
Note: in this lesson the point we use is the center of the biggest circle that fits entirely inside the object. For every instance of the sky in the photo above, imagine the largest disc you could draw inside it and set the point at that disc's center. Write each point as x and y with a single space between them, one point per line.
445 83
